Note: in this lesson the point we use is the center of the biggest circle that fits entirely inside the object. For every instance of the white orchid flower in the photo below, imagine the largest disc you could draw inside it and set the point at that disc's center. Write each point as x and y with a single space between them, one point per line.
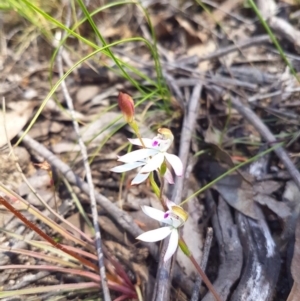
151 158
175 217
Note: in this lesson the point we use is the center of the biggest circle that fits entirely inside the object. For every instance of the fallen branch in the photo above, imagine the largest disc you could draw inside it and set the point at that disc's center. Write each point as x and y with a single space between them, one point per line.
164 273
247 113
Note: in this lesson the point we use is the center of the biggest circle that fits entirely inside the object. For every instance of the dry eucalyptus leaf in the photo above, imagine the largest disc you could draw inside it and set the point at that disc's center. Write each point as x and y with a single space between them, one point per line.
100 128
279 208
267 187
263 190
242 195
42 129
86 93
237 193
14 120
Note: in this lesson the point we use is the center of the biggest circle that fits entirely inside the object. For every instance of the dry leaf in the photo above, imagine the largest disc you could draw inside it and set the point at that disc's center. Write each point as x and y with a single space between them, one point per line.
190 30
95 132
238 194
86 93
279 208
14 120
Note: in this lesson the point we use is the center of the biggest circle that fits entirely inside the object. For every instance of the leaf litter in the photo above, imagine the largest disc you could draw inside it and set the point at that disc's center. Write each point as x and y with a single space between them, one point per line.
193 48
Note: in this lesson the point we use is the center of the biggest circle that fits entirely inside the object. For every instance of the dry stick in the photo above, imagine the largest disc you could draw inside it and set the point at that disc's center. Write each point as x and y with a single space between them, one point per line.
206 250
239 45
29 279
162 286
87 168
266 133
282 28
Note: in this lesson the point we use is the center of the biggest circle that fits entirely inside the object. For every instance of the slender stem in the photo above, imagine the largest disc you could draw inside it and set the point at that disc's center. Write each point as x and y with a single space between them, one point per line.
140 138
154 185
204 278
135 128
162 184
200 271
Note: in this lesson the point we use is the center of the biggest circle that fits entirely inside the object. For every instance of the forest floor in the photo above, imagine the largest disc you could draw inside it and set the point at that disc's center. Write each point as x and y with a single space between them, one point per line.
223 76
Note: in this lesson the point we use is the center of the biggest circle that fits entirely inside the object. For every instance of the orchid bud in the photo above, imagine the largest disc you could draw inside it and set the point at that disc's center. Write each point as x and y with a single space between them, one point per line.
126 105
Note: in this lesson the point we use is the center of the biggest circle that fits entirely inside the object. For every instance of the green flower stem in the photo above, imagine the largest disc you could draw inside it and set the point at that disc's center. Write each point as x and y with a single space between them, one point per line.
207 282
154 185
162 184
135 128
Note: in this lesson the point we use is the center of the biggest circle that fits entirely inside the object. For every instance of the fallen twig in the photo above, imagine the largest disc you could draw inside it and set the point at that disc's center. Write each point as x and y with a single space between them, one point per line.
69 101
246 112
238 45
205 254
162 288
230 249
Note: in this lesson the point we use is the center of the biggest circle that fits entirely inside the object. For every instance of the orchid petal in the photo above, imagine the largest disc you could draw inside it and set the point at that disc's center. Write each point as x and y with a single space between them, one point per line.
175 163
154 163
154 213
169 204
127 166
173 243
168 176
155 235
157 215
176 222
137 155
147 142
139 178
171 220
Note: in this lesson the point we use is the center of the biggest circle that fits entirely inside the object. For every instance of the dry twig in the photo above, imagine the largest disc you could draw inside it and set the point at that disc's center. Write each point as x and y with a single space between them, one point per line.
206 250
246 112
162 289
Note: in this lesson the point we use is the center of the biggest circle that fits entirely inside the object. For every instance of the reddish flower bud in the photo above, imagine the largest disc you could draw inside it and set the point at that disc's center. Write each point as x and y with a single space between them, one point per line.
126 105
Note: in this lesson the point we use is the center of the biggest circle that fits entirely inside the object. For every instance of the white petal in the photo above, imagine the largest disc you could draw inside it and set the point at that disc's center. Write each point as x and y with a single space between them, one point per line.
176 223
155 235
175 163
173 243
154 213
154 163
157 215
168 176
169 204
139 178
127 166
137 155
137 141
